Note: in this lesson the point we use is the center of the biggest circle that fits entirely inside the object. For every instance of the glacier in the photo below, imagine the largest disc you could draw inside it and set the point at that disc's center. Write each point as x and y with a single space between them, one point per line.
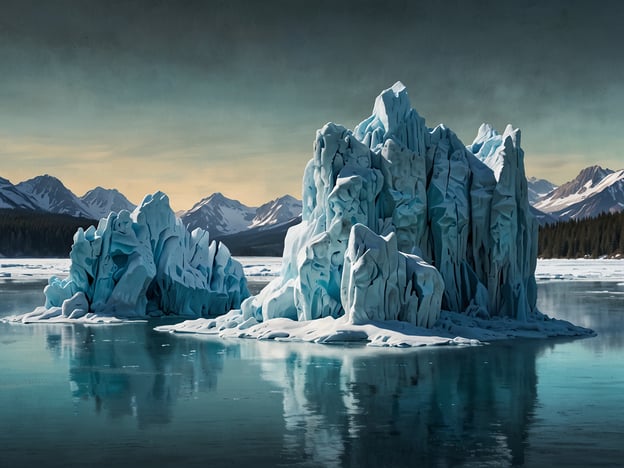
408 237
143 264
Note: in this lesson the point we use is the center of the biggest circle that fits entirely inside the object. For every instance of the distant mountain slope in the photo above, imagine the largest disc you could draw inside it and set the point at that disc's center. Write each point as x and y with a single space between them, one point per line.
260 241
223 216
594 191
101 202
52 196
11 197
538 188
219 215
543 218
278 211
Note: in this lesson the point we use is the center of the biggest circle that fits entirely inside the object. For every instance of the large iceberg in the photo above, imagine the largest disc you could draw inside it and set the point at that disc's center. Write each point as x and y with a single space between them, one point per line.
401 222
144 263
410 220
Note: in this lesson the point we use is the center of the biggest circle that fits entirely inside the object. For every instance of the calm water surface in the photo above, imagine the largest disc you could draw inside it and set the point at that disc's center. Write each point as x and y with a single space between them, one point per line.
124 395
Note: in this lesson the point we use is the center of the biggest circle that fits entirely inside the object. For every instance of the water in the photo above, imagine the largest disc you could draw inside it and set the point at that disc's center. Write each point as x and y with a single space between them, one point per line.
124 395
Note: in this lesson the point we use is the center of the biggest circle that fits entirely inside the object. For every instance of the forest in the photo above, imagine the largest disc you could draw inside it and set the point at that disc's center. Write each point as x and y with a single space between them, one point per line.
38 234
591 237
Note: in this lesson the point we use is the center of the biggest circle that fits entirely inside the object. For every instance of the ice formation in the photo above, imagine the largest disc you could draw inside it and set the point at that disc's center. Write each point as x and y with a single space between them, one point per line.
401 222
388 206
144 263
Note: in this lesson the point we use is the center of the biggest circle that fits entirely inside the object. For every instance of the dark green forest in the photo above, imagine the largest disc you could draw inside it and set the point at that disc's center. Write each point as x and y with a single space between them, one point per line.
593 237
37 234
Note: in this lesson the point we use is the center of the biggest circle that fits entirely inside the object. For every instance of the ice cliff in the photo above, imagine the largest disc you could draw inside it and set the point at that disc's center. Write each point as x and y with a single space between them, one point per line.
400 221
144 263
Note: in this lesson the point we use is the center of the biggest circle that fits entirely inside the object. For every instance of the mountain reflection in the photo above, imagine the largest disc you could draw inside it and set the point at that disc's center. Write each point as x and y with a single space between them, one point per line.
131 370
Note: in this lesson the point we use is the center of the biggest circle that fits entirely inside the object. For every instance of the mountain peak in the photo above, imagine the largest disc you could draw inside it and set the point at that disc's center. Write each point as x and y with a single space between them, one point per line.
101 201
586 179
219 215
593 191
51 195
592 174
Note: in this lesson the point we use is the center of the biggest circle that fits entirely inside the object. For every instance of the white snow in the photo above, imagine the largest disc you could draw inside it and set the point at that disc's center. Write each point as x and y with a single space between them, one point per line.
261 267
451 329
580 269
33 268
550 205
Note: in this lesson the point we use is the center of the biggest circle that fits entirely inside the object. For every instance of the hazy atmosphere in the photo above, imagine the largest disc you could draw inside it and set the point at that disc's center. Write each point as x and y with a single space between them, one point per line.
193 97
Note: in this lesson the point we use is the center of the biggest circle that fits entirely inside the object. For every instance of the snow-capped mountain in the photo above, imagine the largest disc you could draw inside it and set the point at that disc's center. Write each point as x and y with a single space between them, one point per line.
223 216
11 197
278 211
538 188
219 215
594 191
101 202
48 194
51 195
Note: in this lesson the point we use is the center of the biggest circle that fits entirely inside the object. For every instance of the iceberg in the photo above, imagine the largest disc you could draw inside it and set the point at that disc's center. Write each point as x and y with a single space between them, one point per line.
143 264
430 201
406 232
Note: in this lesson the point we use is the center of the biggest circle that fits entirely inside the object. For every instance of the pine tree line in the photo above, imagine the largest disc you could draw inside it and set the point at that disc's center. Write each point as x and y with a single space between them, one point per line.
592 237
38 234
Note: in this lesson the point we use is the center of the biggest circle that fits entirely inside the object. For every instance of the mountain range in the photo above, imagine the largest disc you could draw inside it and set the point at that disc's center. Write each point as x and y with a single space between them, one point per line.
220 215
594 191
48 194
261 230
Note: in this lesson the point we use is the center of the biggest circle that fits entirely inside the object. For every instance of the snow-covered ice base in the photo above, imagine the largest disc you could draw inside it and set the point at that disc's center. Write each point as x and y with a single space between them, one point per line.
451 328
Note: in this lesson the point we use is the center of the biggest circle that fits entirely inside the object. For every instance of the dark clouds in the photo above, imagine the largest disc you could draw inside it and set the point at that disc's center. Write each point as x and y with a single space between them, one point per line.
267 74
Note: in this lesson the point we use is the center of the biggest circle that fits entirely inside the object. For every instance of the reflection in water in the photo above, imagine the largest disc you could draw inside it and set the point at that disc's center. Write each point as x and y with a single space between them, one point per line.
340 406
591 304
442 406
130 370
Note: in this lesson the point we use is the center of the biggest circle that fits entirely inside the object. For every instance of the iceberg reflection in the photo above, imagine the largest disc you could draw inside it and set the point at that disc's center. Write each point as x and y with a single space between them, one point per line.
354 407
335 405
130 370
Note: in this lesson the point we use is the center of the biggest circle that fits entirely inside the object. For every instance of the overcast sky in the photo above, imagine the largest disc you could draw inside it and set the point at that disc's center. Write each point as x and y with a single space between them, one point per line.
193 97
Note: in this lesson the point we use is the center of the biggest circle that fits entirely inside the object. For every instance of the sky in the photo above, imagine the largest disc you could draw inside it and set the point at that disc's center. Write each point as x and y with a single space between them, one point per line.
195 97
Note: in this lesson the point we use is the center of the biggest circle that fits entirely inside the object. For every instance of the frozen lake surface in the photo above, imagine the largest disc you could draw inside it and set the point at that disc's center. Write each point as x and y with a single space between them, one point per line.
125 395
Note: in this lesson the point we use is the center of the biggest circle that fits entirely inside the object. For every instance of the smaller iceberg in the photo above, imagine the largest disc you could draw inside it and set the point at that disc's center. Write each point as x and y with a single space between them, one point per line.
143 264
